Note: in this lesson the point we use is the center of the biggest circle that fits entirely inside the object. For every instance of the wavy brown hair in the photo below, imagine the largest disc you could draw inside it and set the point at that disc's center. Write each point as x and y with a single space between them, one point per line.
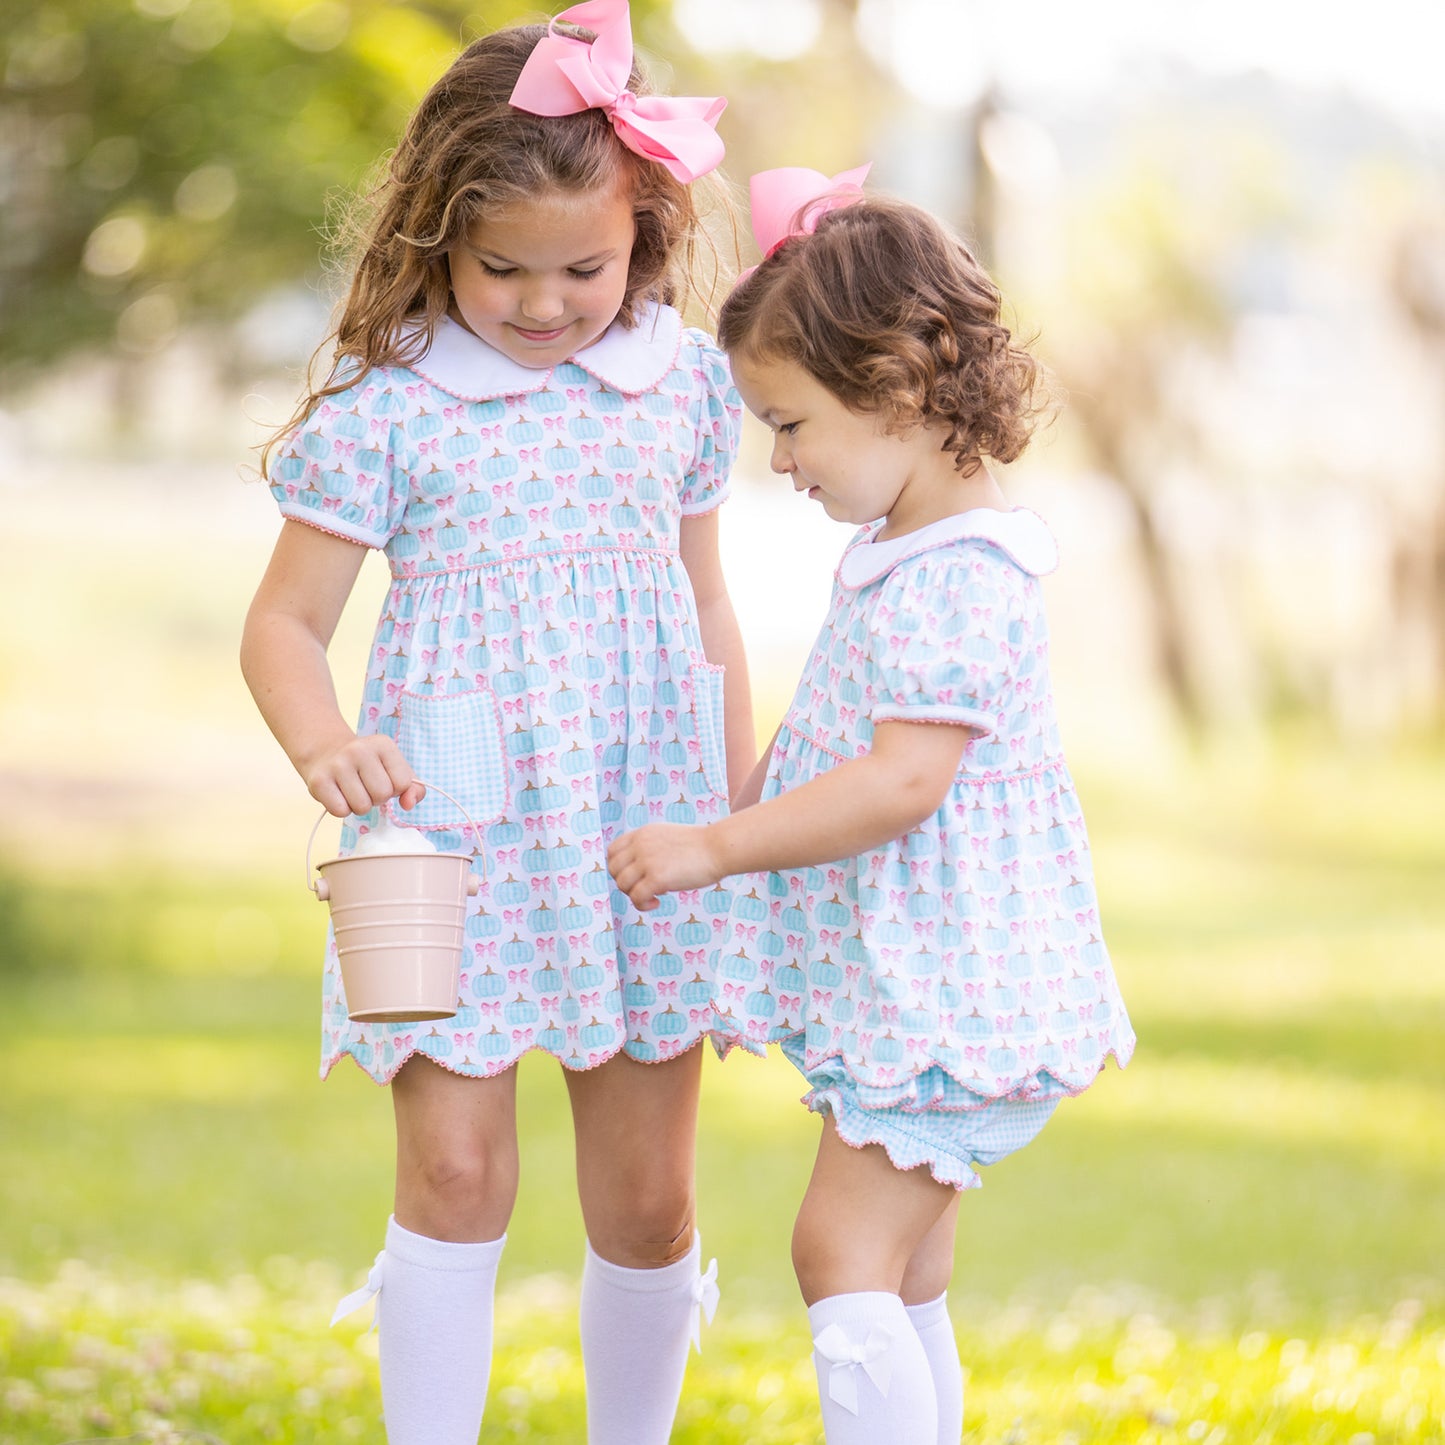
888 310
466 151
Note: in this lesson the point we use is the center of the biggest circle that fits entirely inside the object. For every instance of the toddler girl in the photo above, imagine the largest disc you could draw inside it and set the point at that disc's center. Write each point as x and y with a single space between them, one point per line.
919 928
519 418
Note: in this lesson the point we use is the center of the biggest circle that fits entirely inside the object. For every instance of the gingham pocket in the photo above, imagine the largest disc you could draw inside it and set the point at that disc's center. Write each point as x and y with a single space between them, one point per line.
455 741
707 706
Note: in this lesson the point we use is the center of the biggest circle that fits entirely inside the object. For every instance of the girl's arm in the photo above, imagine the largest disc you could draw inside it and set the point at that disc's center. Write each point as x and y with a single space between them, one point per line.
851 809
722 641
283 658
752 790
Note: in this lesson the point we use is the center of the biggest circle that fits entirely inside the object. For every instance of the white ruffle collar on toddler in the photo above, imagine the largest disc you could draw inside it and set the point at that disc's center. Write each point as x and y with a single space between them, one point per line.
629 360
1021 534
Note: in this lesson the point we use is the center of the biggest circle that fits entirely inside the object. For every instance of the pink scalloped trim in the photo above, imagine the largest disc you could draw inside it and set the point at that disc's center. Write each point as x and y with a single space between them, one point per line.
682 332
966 1177
329 1063
711 505
288 510
967 536
967 717
725 1038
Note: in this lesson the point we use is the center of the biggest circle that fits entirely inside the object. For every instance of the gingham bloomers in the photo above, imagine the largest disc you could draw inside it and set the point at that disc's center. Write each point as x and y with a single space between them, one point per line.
538 657
963 962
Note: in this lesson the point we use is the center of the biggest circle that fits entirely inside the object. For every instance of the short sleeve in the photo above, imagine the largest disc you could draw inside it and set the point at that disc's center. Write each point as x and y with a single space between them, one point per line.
940 639
718 419
342 469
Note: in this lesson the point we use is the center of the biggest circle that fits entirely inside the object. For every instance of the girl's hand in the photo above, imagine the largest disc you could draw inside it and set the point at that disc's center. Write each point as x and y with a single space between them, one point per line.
361 774
662 858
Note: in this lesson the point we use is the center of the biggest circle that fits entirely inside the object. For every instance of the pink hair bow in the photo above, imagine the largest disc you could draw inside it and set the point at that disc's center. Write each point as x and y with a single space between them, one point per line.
787 202
564 75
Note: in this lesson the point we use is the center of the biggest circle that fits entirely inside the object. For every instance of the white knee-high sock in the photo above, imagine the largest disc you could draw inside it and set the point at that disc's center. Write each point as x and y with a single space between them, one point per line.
636 1324
935 1330
873 1377
434 1312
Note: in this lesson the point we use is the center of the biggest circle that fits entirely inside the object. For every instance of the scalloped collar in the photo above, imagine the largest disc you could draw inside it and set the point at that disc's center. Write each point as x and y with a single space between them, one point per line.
627 360
1021 534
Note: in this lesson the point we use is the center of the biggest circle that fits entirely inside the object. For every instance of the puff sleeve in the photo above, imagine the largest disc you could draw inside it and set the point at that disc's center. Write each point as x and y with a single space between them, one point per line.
717 422
941 634
343 469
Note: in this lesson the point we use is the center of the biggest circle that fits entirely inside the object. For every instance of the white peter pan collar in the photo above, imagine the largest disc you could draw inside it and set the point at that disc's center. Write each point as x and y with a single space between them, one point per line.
1021 534
627 360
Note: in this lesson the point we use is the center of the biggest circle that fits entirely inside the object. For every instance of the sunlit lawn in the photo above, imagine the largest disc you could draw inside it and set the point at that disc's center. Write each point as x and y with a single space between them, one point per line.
1238 1239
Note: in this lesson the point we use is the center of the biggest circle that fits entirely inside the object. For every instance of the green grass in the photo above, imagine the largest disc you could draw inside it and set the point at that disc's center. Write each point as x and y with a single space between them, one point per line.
248 1360
1238 1239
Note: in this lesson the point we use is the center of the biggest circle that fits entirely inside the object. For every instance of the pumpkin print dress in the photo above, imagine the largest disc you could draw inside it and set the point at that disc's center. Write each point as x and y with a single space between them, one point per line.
942 993
538 657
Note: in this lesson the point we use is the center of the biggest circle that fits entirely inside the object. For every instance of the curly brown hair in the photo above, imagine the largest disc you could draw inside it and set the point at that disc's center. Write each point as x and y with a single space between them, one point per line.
465 151
891 312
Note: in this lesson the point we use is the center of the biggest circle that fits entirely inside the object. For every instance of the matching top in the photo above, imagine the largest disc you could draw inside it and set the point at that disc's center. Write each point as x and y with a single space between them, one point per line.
971 947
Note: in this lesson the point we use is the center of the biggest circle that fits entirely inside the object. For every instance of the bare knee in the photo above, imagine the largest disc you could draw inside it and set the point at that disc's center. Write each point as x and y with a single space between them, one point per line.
463 1191
828 1260
818 1260
645 1226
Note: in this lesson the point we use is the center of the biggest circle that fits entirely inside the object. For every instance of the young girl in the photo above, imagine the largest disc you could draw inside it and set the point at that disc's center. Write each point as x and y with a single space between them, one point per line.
520 420
920 929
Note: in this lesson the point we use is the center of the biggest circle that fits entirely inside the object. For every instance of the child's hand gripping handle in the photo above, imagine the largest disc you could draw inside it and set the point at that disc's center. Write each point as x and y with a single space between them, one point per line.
474 883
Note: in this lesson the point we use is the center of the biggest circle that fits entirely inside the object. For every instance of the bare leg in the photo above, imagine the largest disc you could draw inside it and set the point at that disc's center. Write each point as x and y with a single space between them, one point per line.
931 1265
862 1221
636 1130
456 1151
456 1182
861 1225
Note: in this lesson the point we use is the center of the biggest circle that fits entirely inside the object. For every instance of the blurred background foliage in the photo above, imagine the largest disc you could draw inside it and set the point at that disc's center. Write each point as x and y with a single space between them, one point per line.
1234 267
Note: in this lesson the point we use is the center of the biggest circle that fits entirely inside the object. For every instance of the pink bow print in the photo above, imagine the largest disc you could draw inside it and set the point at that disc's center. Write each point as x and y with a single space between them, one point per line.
564 75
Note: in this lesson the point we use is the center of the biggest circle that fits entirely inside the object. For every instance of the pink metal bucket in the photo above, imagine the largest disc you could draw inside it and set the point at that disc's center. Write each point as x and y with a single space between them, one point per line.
398 920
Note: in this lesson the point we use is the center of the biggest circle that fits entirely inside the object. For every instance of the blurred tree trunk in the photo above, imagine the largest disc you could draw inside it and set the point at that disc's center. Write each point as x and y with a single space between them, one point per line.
1418 283
1123 393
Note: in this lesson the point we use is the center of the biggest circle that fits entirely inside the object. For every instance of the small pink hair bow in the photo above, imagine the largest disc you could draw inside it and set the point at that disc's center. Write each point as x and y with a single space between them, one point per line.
787 202
564 75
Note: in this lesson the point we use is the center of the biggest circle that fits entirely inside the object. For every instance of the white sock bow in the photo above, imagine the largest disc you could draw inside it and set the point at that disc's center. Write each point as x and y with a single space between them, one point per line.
705 1296
359 1297
846 1359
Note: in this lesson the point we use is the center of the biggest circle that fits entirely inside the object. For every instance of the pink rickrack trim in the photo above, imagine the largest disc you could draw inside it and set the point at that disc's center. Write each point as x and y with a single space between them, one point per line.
499 1066
424 574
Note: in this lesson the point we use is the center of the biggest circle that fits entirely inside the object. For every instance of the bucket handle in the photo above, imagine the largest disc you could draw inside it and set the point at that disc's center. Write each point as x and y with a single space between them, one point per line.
325 814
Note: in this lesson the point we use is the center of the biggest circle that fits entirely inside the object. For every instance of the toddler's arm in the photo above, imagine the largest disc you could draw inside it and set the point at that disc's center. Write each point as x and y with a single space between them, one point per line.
853 808
722 639
283 658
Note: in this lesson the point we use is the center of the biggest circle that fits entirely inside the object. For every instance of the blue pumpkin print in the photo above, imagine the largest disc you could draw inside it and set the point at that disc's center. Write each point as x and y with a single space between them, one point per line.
488 984
669 1021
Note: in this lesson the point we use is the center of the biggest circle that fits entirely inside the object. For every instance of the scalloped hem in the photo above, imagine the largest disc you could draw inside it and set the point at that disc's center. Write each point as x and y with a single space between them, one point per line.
904 1151
329 1063
725 1038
